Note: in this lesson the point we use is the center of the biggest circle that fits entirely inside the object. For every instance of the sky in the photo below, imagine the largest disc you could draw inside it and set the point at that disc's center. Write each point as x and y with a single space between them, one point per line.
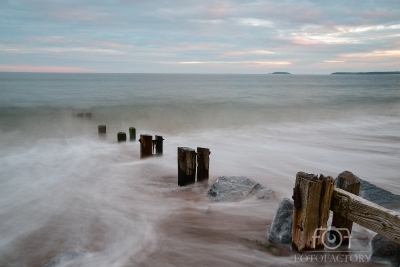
177 36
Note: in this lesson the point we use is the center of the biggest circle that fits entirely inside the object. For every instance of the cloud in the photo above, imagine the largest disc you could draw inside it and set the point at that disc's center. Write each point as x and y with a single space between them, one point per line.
255 22
374 54
35 68
209 34
231 62
334 61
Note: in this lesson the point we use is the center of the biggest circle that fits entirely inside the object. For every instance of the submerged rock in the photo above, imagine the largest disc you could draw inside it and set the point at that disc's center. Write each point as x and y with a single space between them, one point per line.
384 250
62 258
236 188
280 231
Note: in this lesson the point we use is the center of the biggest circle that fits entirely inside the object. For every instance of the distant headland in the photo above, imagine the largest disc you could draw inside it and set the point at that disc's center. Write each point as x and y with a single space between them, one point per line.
280 72
369 73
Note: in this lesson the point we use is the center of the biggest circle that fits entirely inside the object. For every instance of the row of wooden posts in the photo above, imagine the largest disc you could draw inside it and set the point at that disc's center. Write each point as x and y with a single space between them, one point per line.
315 196
188 158
147 144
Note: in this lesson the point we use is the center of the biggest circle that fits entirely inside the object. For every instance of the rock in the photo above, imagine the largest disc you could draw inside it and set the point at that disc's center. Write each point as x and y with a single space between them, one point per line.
236 188
384 250
266 194
377 195
280 231
62 258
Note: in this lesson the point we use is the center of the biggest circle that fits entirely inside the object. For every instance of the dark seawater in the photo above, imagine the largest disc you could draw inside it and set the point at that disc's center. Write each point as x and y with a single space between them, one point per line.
64 188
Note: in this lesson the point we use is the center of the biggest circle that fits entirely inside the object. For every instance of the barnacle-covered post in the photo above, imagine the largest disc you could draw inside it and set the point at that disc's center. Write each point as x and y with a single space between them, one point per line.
186 166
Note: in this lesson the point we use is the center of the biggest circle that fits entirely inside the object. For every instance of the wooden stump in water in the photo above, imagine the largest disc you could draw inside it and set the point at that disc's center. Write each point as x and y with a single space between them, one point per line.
350 183
132 134
312 198
121 137
203 163
102 129
159 145
146 145
186 166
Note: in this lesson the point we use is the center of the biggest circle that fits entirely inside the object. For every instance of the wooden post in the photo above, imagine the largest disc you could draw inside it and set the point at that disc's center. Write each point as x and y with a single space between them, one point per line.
312 197
159 145
350 183
121 137
324 208
102 129
146 142
132 134
203 163
186 166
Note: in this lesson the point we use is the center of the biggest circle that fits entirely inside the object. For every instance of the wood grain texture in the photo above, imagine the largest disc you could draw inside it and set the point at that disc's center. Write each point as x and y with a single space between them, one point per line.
306 218
324 208
350 183
367 214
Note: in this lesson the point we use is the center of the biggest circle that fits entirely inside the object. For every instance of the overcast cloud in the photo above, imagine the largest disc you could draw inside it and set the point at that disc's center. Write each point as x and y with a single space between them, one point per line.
199 36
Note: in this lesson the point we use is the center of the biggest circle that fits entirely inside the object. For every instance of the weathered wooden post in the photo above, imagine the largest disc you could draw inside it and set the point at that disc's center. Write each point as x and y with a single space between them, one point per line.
203 163
312 197
102 129
159 145
186 166
132 134
121 137
146 142
350 183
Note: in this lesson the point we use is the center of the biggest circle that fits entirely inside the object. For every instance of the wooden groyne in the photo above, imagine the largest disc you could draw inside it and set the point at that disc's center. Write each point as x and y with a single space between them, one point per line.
315 196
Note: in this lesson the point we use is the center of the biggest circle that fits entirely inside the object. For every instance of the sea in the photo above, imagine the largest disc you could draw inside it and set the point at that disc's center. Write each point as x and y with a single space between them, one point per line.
72 197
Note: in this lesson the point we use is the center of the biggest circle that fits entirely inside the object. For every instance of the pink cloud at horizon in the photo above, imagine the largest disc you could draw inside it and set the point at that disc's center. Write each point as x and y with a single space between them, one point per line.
32 68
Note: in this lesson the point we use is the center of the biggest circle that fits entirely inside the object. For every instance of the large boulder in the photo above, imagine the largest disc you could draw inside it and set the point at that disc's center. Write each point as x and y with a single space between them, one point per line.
236 188
280 231
384 250
62 258
377 195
